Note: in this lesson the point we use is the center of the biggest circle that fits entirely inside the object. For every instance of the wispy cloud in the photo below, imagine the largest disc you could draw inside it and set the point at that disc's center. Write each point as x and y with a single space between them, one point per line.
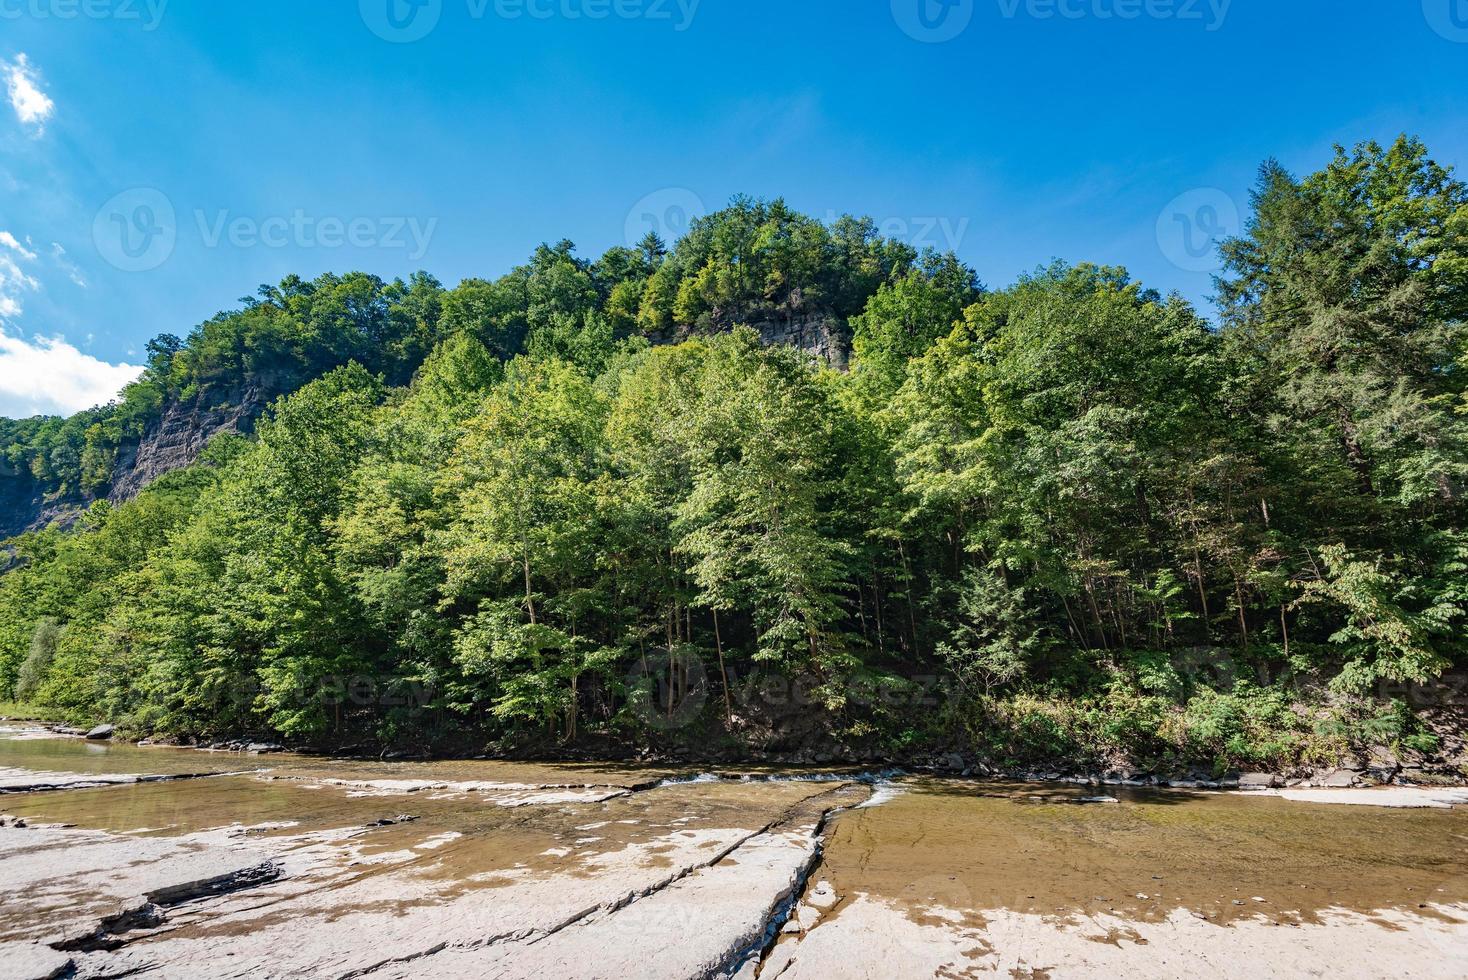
32 106
13 279
58 254
48 376
45 375
9 241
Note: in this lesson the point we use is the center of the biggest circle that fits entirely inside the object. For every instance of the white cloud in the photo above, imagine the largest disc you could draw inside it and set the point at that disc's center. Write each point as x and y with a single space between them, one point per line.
48 376
67 265
8 240
13 279
32 106
45 375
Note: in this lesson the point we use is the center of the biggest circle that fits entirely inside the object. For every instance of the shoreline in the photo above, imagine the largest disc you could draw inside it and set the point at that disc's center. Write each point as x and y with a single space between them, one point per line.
1393 793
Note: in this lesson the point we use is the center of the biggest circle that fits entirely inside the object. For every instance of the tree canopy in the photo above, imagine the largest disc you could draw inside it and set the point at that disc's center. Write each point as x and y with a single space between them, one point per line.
1104 523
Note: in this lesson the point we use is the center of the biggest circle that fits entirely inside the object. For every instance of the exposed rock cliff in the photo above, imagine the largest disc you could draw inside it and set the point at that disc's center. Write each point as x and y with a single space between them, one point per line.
172 442
178 437
820 334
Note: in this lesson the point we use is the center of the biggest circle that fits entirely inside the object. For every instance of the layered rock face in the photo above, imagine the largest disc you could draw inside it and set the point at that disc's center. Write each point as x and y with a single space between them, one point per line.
174 441
177 438
820 334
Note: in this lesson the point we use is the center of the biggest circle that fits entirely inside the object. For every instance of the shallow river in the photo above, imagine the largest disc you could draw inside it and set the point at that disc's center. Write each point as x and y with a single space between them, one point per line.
116 859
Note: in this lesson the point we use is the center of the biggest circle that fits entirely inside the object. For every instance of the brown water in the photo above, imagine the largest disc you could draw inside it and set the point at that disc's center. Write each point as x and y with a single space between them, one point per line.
957 844
30 749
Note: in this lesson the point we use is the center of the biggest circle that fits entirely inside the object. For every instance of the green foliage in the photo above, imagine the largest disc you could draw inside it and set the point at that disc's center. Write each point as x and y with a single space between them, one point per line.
37 664
1110 529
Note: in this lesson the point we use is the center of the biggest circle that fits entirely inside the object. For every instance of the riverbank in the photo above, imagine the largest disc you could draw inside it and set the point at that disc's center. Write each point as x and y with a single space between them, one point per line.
1375 767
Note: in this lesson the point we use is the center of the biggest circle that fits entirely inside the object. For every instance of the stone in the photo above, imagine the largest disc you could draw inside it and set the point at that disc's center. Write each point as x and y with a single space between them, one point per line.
822 896
1260 780
1382 757
32 961
101 732
1340 778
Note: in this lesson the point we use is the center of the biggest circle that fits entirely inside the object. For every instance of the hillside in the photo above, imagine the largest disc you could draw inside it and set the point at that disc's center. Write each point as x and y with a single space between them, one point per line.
606 504
798 282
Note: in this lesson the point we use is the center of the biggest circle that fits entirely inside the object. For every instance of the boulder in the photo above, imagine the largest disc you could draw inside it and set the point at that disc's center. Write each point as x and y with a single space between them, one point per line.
1340 778
1260 780
101 732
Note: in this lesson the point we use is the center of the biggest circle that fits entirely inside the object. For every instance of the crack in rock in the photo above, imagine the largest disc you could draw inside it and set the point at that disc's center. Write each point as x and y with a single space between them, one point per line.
150 910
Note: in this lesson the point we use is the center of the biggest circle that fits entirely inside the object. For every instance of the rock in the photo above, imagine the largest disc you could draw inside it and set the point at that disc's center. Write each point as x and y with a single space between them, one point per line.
1260 780
822 896
261 748
33 961
101 732
1340 778
112 882
1382 757
953 762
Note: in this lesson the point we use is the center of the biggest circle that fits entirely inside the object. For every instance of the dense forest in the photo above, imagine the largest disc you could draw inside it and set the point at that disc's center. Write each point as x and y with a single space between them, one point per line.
1069 519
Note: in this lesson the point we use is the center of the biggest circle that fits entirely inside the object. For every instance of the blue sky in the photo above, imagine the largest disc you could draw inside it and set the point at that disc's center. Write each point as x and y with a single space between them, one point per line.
161 158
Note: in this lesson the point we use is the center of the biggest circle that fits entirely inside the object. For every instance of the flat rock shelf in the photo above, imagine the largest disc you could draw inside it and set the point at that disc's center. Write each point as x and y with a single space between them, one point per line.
119 860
